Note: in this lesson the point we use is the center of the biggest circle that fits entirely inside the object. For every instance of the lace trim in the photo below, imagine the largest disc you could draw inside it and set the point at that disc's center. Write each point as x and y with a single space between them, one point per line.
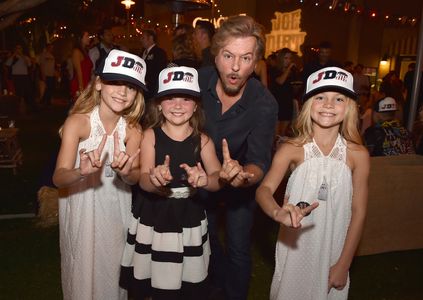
97 132
338 152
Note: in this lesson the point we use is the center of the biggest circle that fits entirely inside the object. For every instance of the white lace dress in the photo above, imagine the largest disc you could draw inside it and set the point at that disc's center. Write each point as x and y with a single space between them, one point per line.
94 216
304 256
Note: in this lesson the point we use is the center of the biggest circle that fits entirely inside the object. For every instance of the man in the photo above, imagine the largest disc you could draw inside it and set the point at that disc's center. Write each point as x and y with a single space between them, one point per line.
242 111
20 65
387 136
99 53
361 85
47 64
323 60
155 60
203 34
408 84
183 29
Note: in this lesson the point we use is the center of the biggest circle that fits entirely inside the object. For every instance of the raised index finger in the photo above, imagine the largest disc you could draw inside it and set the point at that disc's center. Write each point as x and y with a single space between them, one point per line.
167 161
102 143
116 148
310 208
225 150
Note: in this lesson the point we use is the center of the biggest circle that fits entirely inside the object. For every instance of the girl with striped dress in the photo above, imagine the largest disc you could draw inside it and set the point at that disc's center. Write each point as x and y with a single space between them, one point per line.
167 252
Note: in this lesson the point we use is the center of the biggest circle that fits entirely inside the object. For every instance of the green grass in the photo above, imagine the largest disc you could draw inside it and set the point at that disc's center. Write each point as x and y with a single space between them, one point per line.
30 261
31 266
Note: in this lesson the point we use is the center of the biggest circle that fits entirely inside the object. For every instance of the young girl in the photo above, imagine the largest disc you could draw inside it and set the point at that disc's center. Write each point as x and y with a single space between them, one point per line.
167 254
330 166
98 159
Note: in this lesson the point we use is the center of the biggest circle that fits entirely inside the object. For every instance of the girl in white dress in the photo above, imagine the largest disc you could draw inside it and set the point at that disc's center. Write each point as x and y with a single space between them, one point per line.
329 166
97 162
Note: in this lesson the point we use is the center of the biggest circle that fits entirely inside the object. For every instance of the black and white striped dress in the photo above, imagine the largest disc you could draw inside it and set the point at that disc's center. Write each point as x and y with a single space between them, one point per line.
167 251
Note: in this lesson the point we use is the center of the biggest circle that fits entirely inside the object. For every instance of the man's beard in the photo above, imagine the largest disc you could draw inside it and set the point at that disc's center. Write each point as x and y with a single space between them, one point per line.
230 91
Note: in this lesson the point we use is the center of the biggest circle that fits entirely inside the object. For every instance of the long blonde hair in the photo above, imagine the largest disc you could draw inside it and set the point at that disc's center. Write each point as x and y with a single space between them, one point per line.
303 127
91 97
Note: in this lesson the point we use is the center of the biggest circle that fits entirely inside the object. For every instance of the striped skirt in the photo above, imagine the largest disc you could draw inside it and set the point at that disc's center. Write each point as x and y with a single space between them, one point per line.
167 251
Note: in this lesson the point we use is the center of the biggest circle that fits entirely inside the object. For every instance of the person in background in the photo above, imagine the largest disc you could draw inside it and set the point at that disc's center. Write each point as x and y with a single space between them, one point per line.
361 85
281 79
82 65
20 68
408 85
97 162
155 59
241 110
47 63
418 132
99 52
183 29
183 51
324 59
203 34
328 165
392 86
260 72
349 66
387 136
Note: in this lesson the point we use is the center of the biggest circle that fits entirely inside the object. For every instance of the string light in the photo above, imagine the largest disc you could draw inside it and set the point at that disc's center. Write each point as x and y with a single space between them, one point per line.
350 6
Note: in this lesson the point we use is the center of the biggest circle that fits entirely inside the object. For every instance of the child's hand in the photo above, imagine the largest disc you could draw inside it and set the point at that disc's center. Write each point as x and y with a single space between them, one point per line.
122 162
197 177
337 277
160 175
231 170
90 161
291 215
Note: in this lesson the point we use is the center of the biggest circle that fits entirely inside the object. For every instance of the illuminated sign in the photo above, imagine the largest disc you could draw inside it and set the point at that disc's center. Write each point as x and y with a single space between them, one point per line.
214 21
285 33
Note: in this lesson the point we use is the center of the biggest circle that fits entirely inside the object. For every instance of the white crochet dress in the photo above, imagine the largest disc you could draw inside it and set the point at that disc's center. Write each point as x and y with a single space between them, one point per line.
304 256
94 215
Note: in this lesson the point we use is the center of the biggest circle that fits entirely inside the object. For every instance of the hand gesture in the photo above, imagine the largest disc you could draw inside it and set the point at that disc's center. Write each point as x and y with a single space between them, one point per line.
160 176
89 162
197 177
231 170
122 162
291 215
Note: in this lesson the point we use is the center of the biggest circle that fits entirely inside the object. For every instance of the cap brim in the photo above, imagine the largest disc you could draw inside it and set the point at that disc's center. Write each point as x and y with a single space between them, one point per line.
332 88
124 78
178 91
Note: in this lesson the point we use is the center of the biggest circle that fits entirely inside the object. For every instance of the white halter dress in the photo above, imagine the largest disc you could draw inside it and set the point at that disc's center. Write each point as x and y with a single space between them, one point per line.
304 256
94 216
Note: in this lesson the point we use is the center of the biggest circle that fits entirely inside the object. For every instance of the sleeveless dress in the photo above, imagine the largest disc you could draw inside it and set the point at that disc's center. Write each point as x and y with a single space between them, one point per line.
304 256
94 215
86 69
167 251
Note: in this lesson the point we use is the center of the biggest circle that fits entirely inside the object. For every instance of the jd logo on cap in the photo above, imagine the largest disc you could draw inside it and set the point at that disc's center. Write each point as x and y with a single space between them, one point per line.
178 76
331 74
128 62
388 106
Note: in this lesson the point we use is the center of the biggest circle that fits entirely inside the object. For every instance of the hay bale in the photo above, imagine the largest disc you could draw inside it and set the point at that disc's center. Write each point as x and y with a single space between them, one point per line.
48 212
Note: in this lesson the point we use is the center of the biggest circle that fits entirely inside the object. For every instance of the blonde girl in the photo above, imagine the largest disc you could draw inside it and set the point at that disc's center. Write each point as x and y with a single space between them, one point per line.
330 168
97 162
